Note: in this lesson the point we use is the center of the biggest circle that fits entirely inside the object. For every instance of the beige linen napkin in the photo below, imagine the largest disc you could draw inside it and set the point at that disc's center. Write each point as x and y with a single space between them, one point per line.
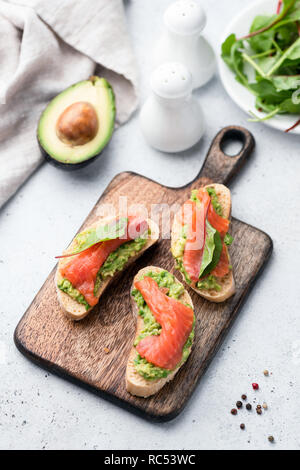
45 46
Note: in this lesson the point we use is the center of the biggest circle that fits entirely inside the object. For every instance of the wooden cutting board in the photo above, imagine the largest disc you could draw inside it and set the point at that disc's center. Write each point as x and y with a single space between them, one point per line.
76 351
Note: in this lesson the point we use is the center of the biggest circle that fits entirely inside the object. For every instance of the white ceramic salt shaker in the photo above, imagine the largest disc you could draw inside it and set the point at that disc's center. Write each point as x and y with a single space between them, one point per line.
171 119
182 41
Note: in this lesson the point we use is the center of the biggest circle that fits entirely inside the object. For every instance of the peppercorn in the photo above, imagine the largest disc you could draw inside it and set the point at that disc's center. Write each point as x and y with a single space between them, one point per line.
258 410
271 438
244 397
249 406
255 386
265 406
242 426
266 372
239 404
233 411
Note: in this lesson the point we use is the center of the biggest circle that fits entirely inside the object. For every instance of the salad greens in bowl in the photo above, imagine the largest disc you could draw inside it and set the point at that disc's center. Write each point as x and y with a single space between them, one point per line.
265 60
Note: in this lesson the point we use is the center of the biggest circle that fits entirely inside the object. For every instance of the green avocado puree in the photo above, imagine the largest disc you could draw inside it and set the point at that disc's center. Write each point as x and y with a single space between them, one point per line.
67 287
117 259
151 327
212 250
208 283
213 197
114 262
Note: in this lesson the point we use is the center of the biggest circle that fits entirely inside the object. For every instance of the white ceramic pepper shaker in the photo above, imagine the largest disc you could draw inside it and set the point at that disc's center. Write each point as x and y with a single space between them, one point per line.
181 41
171 119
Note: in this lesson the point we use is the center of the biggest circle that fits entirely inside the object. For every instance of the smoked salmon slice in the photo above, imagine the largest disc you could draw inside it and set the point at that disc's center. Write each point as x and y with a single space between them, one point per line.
194 247
83 268
176 320
222 267
215 220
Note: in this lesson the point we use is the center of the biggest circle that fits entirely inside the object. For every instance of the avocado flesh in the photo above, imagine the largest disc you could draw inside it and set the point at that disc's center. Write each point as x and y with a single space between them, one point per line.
96 91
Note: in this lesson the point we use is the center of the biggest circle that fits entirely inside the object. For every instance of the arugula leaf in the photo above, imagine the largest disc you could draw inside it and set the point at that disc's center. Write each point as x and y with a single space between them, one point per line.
267 60
288 5
226 50
262 42
286 82
267 92
287 106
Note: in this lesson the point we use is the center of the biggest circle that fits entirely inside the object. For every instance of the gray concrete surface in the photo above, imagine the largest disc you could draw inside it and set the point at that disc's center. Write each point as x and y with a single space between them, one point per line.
41 411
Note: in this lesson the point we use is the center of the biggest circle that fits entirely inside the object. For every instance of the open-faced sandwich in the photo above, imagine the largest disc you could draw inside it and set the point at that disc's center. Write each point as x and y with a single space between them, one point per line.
200 240
96 256
164 334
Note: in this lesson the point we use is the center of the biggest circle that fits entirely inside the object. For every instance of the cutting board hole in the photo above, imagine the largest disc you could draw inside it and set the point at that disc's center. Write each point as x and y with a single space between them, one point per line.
232 143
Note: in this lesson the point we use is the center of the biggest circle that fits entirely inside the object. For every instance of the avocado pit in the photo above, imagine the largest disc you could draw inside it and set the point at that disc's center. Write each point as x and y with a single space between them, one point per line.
78 124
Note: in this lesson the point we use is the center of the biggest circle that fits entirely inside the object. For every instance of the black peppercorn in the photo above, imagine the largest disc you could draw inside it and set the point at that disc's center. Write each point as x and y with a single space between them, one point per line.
239 404
244 397
242 426
249 406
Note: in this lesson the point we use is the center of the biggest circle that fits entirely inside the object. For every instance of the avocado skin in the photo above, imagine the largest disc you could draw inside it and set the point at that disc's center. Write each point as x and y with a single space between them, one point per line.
74 166
66 166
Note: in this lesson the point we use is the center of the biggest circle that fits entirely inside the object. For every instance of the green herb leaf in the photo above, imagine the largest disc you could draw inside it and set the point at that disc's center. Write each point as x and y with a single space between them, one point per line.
209 248
216 255
267 60
101 233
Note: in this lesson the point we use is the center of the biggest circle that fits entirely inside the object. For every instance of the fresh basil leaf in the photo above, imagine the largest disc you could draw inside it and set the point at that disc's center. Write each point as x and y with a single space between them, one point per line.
101 233
216 254
208 248
228 239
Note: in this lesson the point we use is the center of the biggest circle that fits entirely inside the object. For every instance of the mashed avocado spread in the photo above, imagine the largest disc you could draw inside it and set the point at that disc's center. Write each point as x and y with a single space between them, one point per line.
115 262
67 287
118 258
208 283
151 327
212 251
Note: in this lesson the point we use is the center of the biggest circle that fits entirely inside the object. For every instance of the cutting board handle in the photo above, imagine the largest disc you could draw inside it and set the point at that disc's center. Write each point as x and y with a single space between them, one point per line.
218 166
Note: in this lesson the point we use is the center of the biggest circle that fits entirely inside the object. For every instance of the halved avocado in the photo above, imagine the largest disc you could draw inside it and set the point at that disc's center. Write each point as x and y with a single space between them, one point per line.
78 123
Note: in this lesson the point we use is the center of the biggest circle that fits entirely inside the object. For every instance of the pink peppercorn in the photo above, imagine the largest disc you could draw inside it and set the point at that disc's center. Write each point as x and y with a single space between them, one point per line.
255 386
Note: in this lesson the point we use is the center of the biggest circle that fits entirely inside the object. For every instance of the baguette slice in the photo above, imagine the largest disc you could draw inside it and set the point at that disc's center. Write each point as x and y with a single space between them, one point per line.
135 383
227 282
71 307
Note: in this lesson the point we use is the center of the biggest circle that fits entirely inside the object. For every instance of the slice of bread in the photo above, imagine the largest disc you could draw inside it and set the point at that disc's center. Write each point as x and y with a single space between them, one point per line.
227 282
135 383
71 307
